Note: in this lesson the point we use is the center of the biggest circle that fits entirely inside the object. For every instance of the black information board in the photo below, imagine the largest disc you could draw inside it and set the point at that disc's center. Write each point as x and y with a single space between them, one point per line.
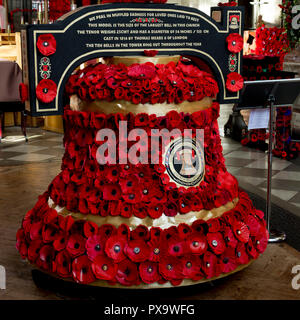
129 29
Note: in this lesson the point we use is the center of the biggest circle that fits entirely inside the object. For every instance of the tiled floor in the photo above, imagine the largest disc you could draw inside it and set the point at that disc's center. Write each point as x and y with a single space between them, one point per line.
248 165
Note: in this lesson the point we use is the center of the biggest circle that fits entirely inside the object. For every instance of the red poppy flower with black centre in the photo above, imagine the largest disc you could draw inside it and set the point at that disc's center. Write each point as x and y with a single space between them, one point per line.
111 192
170 267
216 242
228 260
199 225
250 248
36 230
169 233
210 265
149 272
112 83
46 257
241 254
34 250
98 120
235 42
76 245
191 267
174 119
50 232
129 184
213 225
139 211
107 230
137 250
171 209
258 213
62 265
65 223
253 225
136 98
142 71
155 233
114 248
104 268
82 270
46 90
175 246
141 120
127 273
140 233
175 80
94 246
234 82
229 237
261 241
83 206
241 231
60 242
90 228
132 197
184 231
46 44
184 205
196 243
126 210
128 83
124 231
155 211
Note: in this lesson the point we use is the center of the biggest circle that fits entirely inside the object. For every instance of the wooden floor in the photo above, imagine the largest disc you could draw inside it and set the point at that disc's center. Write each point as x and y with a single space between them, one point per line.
269 277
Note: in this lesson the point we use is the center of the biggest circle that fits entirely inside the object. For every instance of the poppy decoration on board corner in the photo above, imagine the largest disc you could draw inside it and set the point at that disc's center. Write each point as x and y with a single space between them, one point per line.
234 82
46 90
235 42
46 44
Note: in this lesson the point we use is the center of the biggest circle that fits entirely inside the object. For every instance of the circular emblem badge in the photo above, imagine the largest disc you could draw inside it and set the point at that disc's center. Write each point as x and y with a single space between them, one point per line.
184 162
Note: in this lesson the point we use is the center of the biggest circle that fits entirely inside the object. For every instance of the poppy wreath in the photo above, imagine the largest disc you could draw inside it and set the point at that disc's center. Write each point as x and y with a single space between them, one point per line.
87 187
272 42
293 35
86 252
143 83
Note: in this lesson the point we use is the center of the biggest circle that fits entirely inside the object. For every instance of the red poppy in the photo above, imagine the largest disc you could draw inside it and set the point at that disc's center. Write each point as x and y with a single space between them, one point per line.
94 246
62 264
235 42
241 254
82 270
137 250
191 267
90 228
111 192
34 250
46 256
241 231
106 231
150 53
234 82
76 245
124 231
104 268
46 44
154 249
149 272
253 225
216 242
46 90
24 93
50 232
184 231
60 242
155 210
174 246
36 230
230 239
228 260
251 249
213 225
196 243
170 268
210 265
127 273
261 241
140 233
114 248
